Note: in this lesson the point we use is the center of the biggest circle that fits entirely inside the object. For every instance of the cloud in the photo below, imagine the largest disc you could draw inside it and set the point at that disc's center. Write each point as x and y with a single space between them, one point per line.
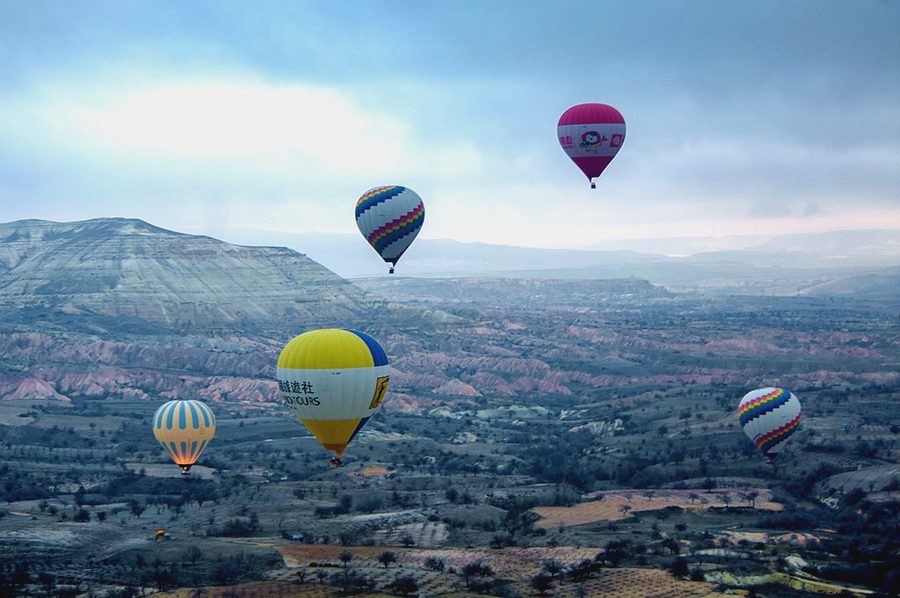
212 149
249 123
756 112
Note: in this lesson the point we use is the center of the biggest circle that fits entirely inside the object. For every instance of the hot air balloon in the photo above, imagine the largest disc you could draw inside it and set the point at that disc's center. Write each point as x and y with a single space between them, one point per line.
390 218
184 428
591 135
333 380
769 416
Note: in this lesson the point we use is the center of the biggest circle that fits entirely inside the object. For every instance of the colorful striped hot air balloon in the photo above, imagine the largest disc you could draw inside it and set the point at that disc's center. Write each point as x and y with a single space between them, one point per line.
591 135
769 416
184 428
390 218
333 380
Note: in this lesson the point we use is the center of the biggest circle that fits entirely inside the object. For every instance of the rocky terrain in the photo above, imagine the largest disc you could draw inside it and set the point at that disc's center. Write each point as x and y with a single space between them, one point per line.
134 277
578 435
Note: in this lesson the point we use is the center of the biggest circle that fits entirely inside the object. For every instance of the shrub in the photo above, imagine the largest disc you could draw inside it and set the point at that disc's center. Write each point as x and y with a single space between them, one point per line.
404 584
542 582
349 580
679 568
434 564
386 558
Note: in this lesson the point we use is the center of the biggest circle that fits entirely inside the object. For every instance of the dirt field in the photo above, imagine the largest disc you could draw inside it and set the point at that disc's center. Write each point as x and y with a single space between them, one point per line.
868 478
81 423
261 589
10 412
374 471
170 470
515 564
614 506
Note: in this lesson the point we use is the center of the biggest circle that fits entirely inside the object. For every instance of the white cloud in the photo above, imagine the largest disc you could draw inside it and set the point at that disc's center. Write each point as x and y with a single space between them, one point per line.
243 120
236 150
250 126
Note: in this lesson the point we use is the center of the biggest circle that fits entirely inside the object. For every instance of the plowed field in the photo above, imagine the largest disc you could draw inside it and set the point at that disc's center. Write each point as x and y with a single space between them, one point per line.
610 506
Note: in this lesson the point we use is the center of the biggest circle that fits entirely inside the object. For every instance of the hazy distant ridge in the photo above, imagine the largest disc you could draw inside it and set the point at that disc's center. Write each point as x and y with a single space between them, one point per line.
758 264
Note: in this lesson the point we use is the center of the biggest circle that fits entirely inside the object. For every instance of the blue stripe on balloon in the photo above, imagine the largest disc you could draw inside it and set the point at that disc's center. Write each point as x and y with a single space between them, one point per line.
184 448
359 427
182 415
765 447
407 229
170 413
193 448
378 198
379 357
173 450
195 417
205 411
159 417
765 408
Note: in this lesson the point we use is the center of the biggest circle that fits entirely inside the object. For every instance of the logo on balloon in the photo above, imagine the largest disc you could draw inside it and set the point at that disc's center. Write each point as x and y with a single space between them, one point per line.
381 386
591 140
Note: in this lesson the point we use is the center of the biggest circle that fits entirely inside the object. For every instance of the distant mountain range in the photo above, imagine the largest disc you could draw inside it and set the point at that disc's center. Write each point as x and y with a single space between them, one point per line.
790 264
858 243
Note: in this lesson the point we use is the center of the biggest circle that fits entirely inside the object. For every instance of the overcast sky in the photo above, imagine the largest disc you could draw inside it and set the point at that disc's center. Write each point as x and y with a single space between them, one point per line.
743 117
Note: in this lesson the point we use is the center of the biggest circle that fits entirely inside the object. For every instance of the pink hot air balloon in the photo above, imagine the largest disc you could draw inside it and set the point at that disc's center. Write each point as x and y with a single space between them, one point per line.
591 134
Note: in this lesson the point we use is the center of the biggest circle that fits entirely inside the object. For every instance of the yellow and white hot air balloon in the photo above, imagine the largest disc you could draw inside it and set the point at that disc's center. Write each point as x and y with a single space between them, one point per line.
184 428
333 380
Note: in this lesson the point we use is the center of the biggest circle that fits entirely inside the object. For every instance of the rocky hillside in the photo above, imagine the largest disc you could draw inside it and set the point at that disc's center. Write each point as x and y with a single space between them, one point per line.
122 309
121 275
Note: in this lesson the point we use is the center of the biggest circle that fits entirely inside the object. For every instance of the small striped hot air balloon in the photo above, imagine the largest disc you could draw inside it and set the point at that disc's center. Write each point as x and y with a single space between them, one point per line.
591 135
184 428
769 416
333 380
389 218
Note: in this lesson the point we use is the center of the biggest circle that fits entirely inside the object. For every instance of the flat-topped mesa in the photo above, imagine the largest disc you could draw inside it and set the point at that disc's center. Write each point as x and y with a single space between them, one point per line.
135 272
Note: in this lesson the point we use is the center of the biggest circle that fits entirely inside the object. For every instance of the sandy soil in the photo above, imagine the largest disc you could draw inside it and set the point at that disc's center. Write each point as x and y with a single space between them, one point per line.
614 506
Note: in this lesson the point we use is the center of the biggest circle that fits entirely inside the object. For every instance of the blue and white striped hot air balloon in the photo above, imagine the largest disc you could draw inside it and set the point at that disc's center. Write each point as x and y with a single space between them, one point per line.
184 428
769 416
389 218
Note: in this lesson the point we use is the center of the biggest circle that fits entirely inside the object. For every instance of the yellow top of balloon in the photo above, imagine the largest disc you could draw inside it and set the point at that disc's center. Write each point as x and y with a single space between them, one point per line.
331 348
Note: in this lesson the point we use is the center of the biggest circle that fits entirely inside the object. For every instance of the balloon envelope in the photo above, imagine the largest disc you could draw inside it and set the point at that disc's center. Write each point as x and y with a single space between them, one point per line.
389 218
184 428
591 135
769 416
333 380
